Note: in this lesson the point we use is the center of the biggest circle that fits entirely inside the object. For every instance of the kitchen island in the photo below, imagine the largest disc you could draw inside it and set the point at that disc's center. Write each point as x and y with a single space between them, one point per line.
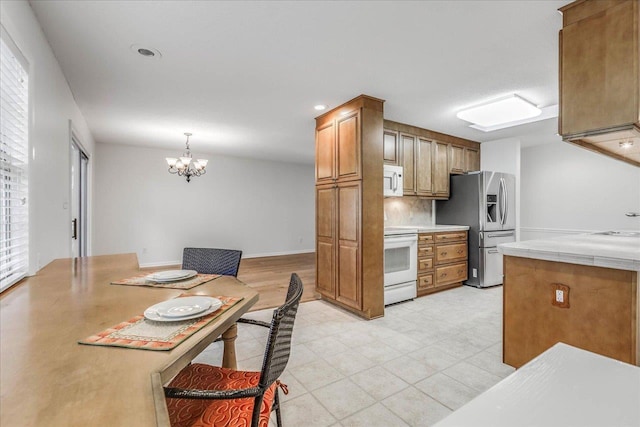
581 290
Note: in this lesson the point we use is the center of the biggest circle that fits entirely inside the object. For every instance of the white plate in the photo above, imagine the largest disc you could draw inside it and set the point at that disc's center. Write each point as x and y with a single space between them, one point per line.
181 307
171 275
152 313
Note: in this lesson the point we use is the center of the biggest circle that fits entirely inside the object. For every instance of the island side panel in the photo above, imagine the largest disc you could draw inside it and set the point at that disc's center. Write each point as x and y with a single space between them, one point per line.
601 317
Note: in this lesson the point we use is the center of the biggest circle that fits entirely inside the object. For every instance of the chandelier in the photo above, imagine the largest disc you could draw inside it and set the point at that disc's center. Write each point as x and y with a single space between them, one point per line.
185 165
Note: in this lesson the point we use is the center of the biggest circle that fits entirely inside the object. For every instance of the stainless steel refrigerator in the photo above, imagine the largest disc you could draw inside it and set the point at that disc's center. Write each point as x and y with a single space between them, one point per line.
486 202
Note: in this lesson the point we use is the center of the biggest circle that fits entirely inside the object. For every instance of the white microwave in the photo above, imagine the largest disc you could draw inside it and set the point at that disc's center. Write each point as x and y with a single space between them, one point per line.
392 179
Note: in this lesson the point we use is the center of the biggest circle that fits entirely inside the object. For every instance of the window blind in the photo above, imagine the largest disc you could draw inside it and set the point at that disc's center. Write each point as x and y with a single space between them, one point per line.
14 162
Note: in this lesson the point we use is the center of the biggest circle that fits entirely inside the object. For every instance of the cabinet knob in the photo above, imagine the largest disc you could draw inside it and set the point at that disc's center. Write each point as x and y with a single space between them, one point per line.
443 253
460 251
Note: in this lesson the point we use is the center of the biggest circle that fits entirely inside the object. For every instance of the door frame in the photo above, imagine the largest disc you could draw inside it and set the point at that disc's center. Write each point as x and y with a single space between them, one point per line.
74 139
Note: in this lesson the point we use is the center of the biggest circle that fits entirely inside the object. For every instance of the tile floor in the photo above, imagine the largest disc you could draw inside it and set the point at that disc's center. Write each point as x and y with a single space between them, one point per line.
413 367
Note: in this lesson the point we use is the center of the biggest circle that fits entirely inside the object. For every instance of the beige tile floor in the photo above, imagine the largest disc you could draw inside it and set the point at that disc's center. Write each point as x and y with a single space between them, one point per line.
413 367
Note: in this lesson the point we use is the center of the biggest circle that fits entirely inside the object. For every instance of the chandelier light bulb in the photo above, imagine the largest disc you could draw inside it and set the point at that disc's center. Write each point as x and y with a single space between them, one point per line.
185 165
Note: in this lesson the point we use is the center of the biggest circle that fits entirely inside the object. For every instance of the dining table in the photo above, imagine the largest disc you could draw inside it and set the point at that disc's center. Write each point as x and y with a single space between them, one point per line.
48 379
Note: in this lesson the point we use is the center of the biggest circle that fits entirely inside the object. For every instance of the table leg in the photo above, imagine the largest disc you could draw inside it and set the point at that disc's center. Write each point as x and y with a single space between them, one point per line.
229 353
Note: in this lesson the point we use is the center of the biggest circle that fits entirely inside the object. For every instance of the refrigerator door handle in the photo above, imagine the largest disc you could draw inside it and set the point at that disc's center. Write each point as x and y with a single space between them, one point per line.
503 202
500 198
506 201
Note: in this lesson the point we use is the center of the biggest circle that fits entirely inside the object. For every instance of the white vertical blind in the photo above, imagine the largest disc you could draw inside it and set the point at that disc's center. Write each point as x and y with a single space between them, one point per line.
14 156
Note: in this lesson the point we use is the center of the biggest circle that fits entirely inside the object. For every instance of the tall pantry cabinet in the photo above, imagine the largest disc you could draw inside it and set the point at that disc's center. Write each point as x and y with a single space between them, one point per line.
349 206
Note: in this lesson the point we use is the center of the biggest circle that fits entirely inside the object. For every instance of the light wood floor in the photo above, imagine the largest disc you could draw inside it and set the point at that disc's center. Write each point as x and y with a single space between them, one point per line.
270 277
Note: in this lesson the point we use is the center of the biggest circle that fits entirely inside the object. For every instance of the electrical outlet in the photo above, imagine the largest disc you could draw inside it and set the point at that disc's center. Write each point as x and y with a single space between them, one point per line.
560 295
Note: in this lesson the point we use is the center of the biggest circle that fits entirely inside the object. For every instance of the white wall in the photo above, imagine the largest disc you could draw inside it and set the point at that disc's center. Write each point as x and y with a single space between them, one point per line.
504 156
51 107
568 189
261 207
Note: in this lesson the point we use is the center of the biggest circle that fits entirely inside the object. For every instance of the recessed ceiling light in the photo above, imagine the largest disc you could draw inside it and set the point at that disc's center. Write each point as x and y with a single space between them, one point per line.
508 109
146 51
320 107
626 144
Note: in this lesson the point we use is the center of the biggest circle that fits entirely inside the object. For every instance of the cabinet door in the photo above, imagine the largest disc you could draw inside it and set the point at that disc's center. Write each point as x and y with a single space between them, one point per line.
599 70
471 160
407 144
456 159
440 169
390 147
325 153
349 146
349 279
326 239
424 179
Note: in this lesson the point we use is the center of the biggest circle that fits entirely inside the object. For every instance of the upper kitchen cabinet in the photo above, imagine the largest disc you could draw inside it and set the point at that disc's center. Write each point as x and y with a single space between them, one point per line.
471 159
456 159
338 148
599 83
429 157
390 147
408 162
350 152
463 159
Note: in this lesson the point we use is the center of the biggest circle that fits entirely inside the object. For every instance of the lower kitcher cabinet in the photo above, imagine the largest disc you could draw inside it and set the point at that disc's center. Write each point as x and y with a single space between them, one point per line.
442 261
338 242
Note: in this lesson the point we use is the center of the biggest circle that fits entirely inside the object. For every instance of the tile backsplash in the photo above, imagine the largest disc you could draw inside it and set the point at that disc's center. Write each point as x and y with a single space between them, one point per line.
407 210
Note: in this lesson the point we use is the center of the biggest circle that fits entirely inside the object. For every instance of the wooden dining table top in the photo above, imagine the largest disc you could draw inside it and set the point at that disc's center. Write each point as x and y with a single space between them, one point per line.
48 379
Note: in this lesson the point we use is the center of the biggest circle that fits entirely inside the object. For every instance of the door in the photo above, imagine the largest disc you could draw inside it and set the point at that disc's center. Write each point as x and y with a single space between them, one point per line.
490 202
491 267
508 201
440 169
390 148
325 153
424 186
325 239
79 194
348 147
400 259
349 279
407 145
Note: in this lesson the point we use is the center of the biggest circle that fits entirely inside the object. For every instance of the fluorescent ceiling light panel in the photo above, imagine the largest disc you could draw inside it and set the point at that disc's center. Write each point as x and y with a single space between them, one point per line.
503 110
547 113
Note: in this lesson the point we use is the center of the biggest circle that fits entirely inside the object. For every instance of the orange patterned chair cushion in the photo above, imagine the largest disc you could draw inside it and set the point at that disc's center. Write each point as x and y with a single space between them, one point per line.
225 412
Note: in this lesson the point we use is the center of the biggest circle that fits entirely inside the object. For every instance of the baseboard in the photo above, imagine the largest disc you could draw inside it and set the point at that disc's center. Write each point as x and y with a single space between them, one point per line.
261 255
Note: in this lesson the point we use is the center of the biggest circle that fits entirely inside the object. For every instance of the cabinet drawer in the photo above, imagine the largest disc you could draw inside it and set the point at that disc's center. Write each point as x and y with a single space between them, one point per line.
425 239
425 281
425 251
448 253
425 264
451 237
451 274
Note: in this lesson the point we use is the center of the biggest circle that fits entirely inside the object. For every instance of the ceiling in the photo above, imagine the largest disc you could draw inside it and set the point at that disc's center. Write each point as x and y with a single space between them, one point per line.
243 77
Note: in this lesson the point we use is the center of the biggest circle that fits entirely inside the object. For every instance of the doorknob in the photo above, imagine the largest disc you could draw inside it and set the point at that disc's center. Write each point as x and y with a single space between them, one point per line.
74 229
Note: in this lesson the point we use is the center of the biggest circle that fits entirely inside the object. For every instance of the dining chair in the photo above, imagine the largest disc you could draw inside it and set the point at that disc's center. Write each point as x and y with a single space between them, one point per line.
205 395
212 261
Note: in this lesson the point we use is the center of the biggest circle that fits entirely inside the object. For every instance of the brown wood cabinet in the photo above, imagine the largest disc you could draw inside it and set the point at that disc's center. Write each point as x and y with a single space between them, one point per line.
442 261
471 160
426 157
599 84
456 159
408 163
390 147
600 313
463 159
350 151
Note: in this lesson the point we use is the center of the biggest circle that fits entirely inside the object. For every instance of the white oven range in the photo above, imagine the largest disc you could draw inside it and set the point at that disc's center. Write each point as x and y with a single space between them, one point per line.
400 264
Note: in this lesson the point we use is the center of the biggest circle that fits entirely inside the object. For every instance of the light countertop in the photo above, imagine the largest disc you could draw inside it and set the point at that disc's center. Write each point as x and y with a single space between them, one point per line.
429 228
619 252
564 386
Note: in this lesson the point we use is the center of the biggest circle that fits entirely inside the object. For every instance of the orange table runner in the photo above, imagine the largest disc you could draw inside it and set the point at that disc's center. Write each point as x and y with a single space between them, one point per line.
140 280
141 333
